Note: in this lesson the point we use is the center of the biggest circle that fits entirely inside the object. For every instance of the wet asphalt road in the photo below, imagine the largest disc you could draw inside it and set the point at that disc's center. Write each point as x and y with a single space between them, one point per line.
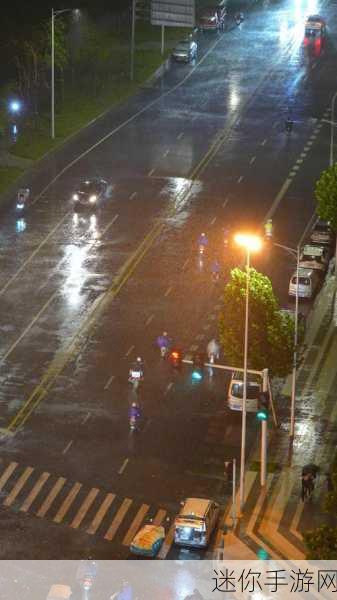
201 148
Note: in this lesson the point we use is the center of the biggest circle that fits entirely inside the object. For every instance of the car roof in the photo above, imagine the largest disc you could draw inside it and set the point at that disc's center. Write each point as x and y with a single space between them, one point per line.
194 507
312 250
303 272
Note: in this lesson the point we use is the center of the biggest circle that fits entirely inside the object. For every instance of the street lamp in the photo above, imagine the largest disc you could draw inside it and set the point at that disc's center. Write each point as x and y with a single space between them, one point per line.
251 243
54 14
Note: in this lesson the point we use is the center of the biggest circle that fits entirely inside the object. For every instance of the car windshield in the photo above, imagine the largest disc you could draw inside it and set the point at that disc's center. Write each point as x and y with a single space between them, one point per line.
252 391
301 280
183 45
88 187
321 228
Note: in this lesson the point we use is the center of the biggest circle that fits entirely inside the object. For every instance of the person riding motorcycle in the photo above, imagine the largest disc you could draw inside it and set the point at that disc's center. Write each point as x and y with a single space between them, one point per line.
239 18
215 268
164 343
268 228
136 370
213 350
203 242
288 125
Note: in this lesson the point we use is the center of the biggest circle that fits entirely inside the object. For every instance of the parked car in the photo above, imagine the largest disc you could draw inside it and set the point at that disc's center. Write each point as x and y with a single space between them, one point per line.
315 26
308 282
235 393
196 522
185 51
322 233
91 194
315 257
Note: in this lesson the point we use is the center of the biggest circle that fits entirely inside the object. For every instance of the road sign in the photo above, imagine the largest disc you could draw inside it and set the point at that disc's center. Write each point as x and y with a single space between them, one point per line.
173 13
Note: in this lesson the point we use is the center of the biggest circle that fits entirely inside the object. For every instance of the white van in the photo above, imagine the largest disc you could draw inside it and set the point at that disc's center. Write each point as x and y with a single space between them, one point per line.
196 522
59 592
308 281
235 393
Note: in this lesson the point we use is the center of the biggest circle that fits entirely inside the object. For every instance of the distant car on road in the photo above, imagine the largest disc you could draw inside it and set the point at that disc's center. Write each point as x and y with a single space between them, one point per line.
315 26
91 194
185 51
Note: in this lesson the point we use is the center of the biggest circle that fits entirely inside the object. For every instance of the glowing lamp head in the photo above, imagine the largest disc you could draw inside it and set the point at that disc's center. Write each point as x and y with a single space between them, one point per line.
15 106
250 242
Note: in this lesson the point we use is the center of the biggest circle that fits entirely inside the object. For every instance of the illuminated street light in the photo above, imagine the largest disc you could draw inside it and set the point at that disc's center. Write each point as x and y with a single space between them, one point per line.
15 106
251 243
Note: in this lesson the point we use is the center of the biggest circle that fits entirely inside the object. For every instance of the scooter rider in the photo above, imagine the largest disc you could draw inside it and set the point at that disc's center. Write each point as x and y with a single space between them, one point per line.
137 370
213 350
289 125
215 270
203 241
164 343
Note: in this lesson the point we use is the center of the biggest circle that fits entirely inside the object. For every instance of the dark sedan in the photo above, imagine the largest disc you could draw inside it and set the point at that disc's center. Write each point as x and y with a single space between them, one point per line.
90 194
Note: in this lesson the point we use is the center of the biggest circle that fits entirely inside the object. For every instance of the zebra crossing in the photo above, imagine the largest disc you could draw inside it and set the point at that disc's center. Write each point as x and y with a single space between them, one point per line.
95 511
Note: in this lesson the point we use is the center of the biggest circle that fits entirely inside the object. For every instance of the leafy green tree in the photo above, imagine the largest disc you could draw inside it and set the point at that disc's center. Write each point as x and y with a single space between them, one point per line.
321 543
271 332
326 196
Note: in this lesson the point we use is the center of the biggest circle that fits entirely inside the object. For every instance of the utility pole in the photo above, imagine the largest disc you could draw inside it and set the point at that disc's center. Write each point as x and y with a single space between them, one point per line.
264 422
133 28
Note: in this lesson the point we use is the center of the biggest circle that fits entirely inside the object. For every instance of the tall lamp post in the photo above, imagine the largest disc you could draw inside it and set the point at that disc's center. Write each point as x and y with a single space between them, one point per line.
251 243
54 14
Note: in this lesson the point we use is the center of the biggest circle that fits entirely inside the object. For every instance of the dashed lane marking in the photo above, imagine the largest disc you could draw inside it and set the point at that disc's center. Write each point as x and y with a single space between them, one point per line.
200 336
130 350
166 153
185 263
213 221
225 202
86 418
18 486
135 525
103 509
252 160
86 504
167 543
264 142
180 135
151 172
123 467
123 509
51 497
149 319
169 387
168 291
67 502
133 195
108 383
240 179
68 446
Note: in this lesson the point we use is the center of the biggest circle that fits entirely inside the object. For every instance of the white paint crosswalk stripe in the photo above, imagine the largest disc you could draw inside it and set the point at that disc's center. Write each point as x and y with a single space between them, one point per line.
34 492
135 525
7 473
51 497
67 502
103 509
84 508
123 509
18 486
164 550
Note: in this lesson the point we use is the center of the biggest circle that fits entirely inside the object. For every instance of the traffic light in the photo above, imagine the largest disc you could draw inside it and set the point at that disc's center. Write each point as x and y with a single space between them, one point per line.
263 406
198 366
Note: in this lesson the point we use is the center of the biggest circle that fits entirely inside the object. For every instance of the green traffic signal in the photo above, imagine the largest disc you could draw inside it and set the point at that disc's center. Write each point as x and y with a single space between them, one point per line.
262 415
263 407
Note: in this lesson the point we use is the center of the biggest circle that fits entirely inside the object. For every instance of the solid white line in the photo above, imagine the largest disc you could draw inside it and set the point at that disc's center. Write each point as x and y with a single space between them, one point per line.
264 141
149 319
67 447
107 385
130 350
151 172
13 346
123 467
253 159
168 291
240 179
87 416
213 220
132 195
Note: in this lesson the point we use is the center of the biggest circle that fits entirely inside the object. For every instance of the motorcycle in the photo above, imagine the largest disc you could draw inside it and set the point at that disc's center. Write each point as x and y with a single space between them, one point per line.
135 378
239 18
22 201
163 351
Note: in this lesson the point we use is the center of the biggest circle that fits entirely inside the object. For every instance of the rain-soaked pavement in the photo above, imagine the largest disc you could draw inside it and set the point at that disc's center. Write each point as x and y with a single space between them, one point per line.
81 297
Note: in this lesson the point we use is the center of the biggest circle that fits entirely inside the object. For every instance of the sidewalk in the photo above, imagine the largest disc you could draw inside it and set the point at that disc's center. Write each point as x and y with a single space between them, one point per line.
275 517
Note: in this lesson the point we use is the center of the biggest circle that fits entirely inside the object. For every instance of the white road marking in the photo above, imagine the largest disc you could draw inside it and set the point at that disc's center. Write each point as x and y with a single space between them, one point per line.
103 509
264 142
278 198
253 159
87 416
240 179
225 202
133 195
303 154
130 350
34 492
314 65
108 383
193 348
51 497
118 518
166 152
149 319
18 340
180 135
169 387
310 143
168 291
123 467
295 168
65 450
185 263
312 137
151 172
18 486
67 502
213 221
200 336
206 326
86 504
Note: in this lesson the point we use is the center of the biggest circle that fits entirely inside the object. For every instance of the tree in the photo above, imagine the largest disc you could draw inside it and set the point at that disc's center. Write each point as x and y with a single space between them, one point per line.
326 196
321 543
271 332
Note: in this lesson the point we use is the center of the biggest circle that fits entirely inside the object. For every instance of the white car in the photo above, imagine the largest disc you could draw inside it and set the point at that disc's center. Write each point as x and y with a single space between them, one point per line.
314 257
322 233
308 282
